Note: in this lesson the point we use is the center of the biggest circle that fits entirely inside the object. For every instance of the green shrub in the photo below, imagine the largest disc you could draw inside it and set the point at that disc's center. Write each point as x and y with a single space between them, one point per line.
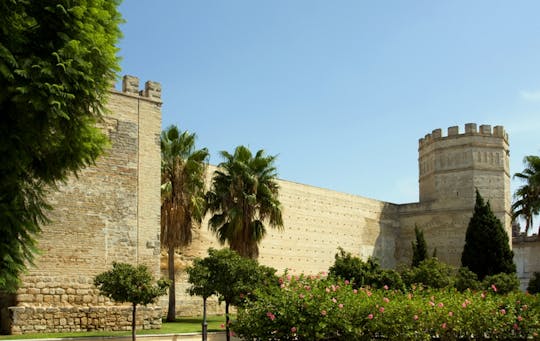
360 273
430 273
501 283
466 279
534 284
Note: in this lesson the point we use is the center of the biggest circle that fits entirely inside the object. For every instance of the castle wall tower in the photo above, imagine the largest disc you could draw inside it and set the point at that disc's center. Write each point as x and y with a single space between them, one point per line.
452 167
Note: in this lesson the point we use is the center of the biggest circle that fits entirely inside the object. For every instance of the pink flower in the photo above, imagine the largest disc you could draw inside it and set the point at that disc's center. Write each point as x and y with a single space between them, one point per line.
333 288
381 309
440 305
222 325
280 280
323 312
347 282
464 305
334 300
503 312
415 317
443 326
431 303
368 293
355 291
301 296
289 277
271 316
494 287
524 307
483 295
516 327
340 306
293 330
385 287
520 318
385 299
409 296
282 285
450 314
370 316
327 290
307 287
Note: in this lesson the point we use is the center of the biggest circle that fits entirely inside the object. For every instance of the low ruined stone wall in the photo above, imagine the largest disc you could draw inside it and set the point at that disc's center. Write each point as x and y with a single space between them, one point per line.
26 320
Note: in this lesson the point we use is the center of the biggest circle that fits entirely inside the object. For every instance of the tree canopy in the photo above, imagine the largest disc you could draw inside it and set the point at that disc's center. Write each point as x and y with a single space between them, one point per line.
57 61
243 197
127 283
487 247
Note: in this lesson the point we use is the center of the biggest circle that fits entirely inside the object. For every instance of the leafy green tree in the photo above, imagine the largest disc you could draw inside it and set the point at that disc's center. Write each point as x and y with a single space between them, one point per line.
201 284
466 279
57 61
527 197
183 202
243 197
232 277
127 283
419 248
487 248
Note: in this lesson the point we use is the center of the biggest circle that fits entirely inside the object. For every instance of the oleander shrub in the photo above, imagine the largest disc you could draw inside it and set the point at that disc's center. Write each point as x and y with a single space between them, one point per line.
320 308
429 273
466 279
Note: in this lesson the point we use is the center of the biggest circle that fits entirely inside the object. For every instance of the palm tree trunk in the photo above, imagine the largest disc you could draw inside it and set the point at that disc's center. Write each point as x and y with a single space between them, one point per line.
171 313
133 322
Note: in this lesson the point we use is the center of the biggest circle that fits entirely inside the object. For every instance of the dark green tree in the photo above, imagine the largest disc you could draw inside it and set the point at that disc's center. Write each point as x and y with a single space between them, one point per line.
487 248
243 198
57 61
183 202
527 197
419 248
127 283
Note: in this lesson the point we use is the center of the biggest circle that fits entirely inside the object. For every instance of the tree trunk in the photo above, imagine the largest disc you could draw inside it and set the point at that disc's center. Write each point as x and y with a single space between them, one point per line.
133 322
171 312
227 321
204 324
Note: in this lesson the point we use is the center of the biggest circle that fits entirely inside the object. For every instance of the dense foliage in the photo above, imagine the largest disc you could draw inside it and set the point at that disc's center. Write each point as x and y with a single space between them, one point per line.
231 277
243 198
318 308
487 248
527 196
534 284
183 202
360 273
57 60
127 283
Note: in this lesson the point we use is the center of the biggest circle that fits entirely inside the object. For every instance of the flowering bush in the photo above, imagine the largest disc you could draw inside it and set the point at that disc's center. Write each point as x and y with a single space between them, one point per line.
320 308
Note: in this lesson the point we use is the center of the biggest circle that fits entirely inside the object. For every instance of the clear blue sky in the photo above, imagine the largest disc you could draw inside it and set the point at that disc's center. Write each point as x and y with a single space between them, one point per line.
341 91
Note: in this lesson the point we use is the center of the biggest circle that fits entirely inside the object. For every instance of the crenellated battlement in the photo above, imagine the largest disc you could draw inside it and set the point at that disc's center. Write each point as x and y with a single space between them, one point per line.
470 130
151 91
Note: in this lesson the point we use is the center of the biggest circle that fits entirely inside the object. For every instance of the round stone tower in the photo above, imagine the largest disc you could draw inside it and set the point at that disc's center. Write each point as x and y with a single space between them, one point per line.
452 167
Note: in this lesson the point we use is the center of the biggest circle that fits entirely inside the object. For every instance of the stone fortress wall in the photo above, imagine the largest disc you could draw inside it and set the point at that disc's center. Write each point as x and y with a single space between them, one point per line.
111 213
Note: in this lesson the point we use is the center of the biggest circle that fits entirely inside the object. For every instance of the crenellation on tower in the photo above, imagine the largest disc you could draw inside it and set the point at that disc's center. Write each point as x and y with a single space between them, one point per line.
151 91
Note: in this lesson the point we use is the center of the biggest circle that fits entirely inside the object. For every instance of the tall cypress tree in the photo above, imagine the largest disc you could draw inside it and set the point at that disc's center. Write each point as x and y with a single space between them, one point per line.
487 248
420 250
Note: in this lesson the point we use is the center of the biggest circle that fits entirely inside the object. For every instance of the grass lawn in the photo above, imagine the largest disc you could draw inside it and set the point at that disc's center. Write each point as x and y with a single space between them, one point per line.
182 325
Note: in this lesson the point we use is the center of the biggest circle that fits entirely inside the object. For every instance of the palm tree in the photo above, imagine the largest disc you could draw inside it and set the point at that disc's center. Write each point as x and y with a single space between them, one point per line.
244 195
183 204
527 197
